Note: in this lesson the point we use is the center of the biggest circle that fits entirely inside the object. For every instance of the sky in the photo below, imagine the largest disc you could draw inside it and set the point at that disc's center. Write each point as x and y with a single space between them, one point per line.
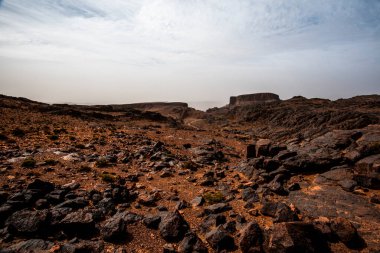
196 51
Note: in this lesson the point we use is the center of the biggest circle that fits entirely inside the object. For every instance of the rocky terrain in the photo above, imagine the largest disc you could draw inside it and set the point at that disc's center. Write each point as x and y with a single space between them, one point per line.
298 175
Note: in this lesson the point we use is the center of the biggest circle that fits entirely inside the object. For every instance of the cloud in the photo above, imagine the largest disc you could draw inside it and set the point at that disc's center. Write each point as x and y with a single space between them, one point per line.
217 42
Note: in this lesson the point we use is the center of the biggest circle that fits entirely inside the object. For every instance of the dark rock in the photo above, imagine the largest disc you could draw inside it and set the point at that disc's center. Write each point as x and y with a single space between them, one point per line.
284 213
248 193
82 246
5 211
80 224
182 205
219 239
346 233
294 187
348 185
173 227
375 199
33 245
107 205
269 208
262 147
191 243
276 185
29 223
42 186
114 229
217 208
285 154
152 221
56 196
57 214
271 164
251 151
76 203
251 239
41 204
295 237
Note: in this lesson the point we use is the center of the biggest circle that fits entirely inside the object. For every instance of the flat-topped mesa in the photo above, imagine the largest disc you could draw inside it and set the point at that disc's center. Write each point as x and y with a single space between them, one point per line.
255 98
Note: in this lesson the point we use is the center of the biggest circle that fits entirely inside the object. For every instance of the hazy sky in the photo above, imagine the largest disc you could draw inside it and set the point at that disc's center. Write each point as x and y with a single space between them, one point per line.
123 51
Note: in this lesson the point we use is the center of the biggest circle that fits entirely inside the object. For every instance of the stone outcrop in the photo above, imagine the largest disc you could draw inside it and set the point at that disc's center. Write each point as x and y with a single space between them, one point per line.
253 99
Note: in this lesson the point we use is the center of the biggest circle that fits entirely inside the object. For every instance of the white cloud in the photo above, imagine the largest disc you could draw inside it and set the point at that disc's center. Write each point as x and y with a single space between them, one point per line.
205 44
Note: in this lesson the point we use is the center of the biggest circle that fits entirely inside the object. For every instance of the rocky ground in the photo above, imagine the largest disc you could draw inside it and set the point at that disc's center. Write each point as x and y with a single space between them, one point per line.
103 179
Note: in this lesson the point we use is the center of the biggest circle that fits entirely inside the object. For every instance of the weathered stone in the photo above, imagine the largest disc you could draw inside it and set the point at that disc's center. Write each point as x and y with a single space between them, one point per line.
295 237
346 233
80 224
173 227
219 239
251 239
29 223
114 229
33 245
191 243
152 221
217 208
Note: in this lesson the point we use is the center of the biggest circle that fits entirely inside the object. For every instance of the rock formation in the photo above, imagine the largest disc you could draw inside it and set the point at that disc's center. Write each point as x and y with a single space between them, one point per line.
255 98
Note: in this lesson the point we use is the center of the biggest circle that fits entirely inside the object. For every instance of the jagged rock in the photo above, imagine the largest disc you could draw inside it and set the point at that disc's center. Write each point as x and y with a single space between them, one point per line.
217 208
191 243
251 239
114 229
82 246
152 221
219 239
173 227
212 220
368 172
276 185
33 245
279 211
76 203
295 237
79 223
262 147
375 199
30 223
346 233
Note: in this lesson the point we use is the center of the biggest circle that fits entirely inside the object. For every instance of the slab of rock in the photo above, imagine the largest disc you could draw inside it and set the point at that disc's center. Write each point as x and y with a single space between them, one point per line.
346 233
